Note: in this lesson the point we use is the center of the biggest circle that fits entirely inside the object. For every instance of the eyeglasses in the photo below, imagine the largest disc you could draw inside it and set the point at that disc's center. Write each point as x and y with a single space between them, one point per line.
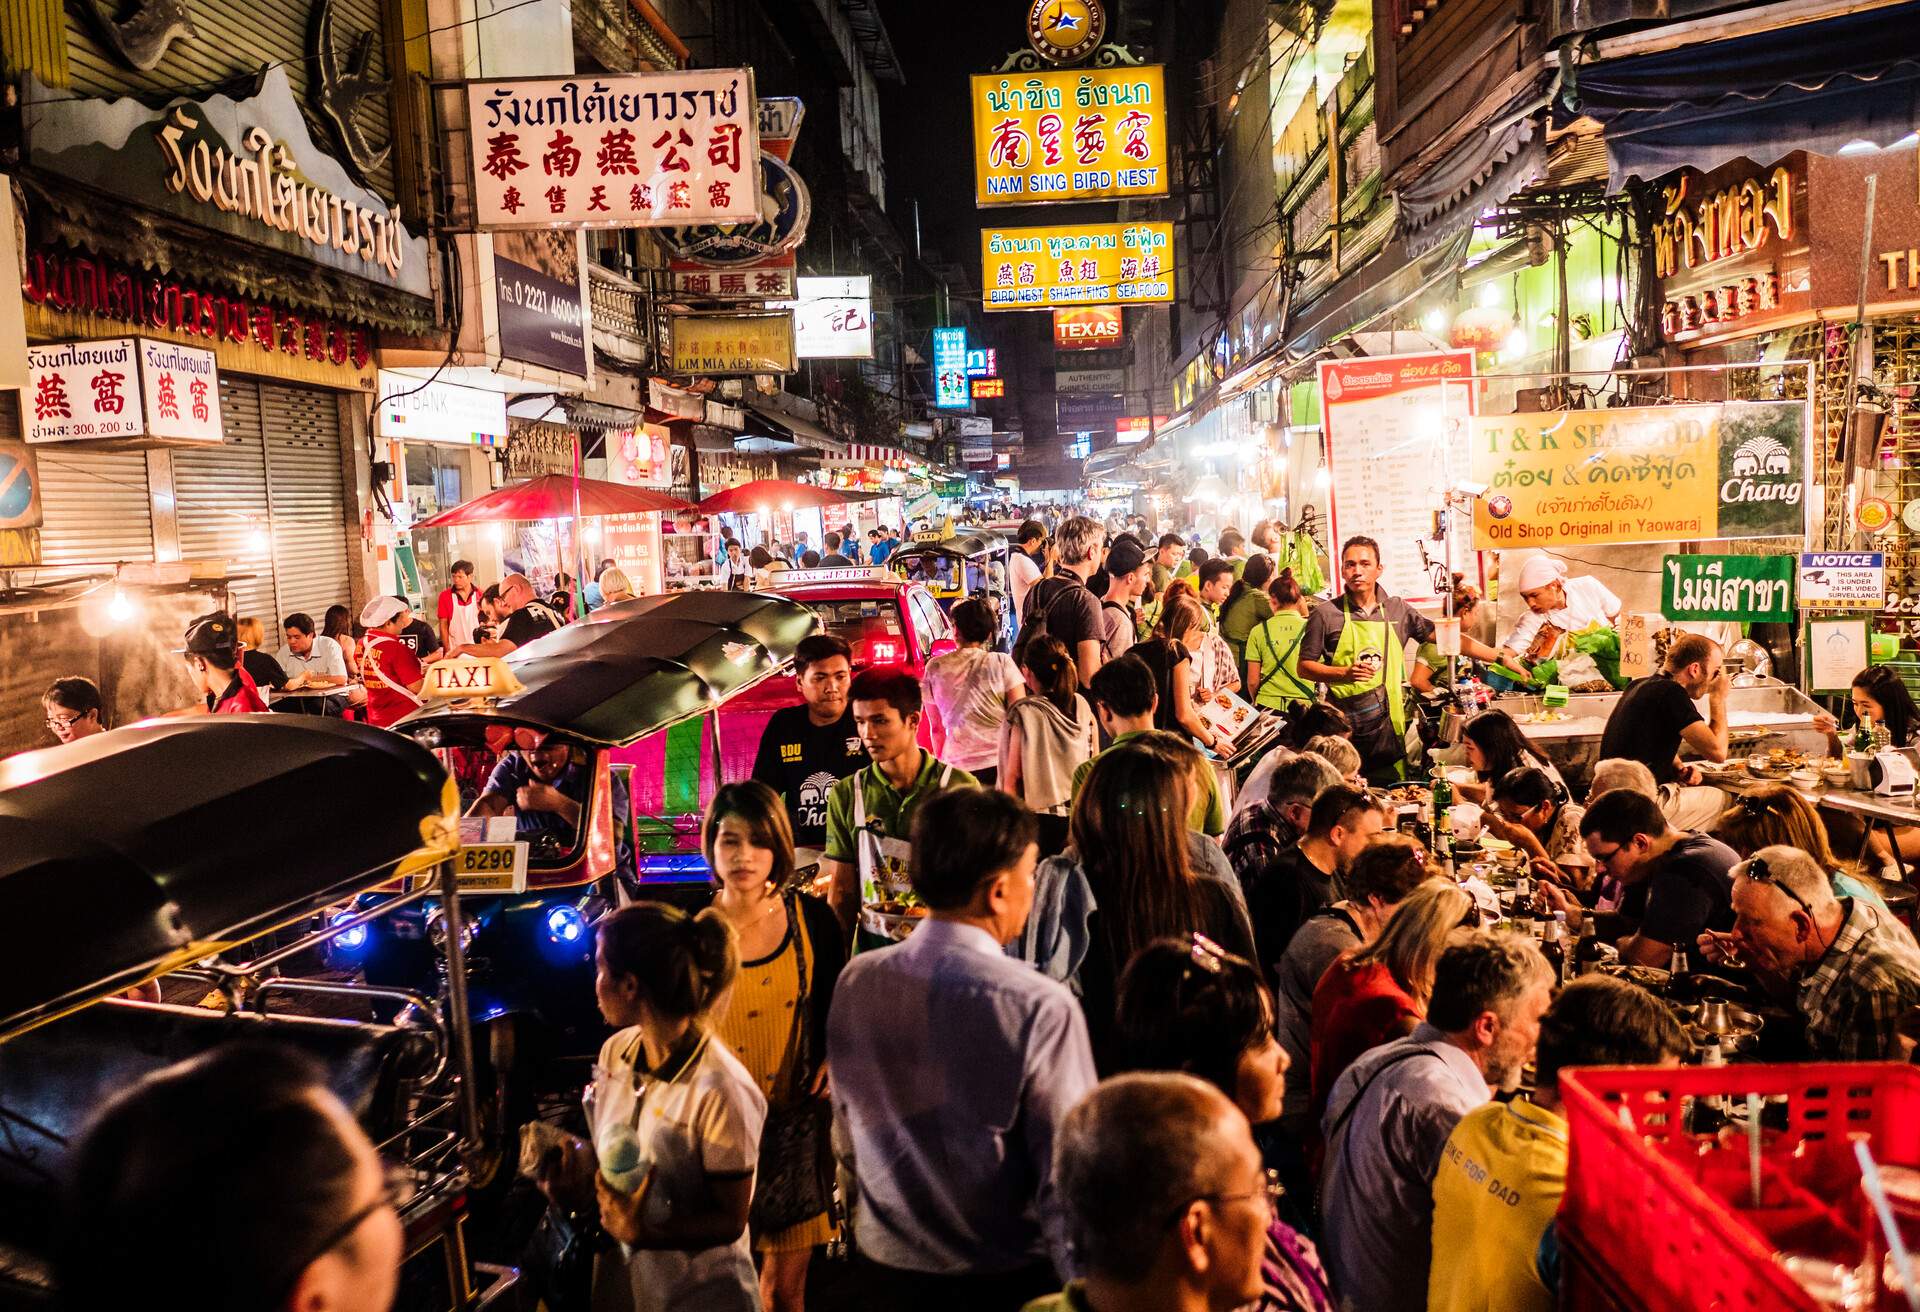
397 1190
1759 872
59 725
1270 1191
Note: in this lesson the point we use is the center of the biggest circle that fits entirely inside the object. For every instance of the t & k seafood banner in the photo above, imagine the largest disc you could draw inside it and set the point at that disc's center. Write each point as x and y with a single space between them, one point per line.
1675 473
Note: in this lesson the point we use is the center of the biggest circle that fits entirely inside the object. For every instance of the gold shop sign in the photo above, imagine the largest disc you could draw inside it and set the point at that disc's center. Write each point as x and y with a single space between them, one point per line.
1737 219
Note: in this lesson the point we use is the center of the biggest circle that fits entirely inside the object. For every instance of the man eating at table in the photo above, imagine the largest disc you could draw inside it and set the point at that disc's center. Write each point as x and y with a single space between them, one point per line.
1656 715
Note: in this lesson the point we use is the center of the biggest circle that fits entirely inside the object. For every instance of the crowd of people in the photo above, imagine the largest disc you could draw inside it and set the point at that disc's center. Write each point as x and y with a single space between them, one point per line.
1136 1051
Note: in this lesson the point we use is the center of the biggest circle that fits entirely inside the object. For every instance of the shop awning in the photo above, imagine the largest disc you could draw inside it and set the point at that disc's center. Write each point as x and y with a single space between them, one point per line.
802 432
1481 171
1391 280
867 453
1814 87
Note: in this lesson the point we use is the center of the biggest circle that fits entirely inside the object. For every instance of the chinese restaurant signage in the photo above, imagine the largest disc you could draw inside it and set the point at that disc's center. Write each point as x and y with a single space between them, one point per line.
632 150
833 318
988 389
120 389
1730 250
1658 474
1092 134
1091 264
759 343
249 168
771 279
1089 380
950 368
1088 328
1743 589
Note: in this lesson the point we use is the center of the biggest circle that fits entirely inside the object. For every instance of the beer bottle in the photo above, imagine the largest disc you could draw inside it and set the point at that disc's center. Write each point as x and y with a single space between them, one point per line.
1442 825
1553 946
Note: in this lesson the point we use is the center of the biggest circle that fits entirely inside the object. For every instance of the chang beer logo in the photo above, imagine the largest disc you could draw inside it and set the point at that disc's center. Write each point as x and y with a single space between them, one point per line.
1762 481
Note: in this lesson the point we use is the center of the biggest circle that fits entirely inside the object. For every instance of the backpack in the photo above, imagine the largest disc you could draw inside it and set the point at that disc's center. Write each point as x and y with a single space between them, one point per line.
1040 599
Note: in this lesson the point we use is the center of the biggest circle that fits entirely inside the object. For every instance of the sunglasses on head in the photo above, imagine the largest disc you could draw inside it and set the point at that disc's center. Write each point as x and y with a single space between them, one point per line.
1760 873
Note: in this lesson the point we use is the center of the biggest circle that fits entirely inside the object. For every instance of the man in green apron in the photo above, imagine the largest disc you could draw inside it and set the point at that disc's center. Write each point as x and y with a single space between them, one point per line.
870 813
1357 646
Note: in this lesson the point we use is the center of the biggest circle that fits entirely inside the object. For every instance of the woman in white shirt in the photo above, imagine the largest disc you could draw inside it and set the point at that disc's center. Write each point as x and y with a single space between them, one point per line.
970 689
1553 599
676 1121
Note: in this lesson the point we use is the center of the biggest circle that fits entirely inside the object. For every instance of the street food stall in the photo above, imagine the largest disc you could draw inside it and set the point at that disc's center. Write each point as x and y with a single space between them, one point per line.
768 497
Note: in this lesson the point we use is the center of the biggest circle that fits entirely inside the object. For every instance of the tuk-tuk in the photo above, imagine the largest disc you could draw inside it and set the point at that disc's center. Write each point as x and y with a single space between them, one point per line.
972 564
570 705
205 854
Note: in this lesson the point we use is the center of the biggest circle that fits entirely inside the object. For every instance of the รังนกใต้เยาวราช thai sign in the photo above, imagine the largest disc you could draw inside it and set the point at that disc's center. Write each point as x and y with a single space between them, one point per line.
1843 580
1079 134
1678 473
1743 589
1077 264
625 150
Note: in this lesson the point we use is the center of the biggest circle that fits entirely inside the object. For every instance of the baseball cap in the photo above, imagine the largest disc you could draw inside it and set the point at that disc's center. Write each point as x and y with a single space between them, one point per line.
381 610
1125 556
213 634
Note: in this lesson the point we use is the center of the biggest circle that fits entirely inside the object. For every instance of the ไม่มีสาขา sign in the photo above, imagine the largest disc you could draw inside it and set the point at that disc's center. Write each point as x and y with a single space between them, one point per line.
1745 589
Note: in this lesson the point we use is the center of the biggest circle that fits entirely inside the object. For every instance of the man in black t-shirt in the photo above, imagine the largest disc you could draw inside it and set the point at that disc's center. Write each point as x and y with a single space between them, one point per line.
1688 877
527 618
1074 614
420 637
808 749
1656 715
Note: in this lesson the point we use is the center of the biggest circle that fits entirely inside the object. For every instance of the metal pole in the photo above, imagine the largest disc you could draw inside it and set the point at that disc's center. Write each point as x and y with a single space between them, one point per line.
577 601
459 1018
1853 460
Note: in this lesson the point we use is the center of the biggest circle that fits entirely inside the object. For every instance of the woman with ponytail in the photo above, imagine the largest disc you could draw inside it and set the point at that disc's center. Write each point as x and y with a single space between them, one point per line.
675 1118
1048 735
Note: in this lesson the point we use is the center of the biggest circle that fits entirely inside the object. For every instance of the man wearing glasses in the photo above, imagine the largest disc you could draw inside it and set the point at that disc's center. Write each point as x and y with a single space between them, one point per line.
1852 969
527 618
1166 1202
1678 884
73 708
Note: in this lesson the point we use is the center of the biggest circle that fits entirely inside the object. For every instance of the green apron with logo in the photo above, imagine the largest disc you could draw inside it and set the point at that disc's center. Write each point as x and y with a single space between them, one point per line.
1377 705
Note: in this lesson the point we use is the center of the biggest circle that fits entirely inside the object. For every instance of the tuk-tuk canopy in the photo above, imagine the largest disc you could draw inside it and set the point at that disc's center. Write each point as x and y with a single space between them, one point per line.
633 669
135 852
962 546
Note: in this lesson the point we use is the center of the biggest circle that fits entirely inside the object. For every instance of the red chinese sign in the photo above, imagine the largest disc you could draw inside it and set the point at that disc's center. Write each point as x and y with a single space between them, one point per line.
633 150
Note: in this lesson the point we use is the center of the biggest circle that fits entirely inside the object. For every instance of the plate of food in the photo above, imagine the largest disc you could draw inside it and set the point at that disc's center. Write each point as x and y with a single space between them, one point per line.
892 920
1547 716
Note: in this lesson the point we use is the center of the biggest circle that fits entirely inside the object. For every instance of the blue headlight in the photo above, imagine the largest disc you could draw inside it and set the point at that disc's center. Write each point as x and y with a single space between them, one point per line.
566 925
348 940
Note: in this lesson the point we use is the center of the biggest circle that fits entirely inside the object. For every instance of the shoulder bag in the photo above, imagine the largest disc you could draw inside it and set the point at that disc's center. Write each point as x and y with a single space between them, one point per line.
794 1179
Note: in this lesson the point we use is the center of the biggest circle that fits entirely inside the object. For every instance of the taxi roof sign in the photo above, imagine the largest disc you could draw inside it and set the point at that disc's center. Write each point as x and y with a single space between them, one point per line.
469 676
842 574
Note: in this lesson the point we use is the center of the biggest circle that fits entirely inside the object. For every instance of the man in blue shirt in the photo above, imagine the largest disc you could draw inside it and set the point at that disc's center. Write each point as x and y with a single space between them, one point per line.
879 546
546 791
953 1068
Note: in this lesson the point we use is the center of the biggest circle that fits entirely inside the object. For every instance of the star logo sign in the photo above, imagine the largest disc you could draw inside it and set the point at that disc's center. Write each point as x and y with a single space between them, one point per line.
1063 22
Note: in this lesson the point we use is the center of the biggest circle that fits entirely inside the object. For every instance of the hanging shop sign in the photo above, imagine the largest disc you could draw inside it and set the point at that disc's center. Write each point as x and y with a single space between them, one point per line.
983 363
1090 134
973 426
1129 429
1701 223
1395 446
540 299
833 318
1091 264
771 279
1089 380
1088 328
1843 580
1091 412
778 227
677 402
760 343
988 389
248 167
1659 474
1730 249
950 368
1741 589
19 488
632 150
427 410
121 389
638 457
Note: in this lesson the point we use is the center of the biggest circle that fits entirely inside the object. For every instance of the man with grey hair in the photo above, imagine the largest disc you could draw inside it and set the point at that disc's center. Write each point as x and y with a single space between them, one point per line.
1852 969
1072 611
1260 834
1166 1202
1686 806
1388 1117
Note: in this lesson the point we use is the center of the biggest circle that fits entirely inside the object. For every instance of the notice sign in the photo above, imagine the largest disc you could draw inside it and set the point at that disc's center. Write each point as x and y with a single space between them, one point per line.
1658 474
731 343
1842 580
634 150
1744 589
1084 134
1081 264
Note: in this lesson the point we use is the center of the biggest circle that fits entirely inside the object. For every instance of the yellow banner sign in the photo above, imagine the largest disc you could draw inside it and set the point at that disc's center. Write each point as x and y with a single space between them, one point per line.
1080 134
1660 474
1081 264
732 343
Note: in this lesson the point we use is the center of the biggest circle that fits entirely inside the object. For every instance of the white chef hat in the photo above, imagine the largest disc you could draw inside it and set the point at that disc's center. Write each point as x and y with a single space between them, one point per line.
1539 571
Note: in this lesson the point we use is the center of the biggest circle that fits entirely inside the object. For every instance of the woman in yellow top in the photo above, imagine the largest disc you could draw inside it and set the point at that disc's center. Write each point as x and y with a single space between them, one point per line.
776 1021
1273 649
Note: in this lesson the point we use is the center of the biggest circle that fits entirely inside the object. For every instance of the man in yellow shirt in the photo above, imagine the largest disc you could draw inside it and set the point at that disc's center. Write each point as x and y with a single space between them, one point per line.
1504 1167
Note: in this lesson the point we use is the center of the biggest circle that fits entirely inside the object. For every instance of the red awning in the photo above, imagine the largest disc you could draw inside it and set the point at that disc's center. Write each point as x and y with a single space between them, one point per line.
552 496
780 494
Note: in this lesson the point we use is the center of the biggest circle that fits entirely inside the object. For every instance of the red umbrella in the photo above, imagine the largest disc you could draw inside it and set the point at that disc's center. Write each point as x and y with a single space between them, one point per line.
555 496
780 494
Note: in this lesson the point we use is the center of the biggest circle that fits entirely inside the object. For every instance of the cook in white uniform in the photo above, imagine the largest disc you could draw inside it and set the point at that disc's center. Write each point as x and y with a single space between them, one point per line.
1552 598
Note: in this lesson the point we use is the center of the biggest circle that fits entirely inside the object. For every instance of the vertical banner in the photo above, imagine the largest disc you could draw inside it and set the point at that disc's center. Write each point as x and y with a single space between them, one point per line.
1395 436
950 368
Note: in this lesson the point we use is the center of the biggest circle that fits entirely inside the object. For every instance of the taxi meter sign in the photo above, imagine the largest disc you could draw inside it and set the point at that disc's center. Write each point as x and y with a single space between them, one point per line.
469 676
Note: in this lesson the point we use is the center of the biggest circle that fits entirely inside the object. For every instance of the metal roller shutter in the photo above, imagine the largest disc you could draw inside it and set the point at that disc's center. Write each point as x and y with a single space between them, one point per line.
95 506
220 495
310 517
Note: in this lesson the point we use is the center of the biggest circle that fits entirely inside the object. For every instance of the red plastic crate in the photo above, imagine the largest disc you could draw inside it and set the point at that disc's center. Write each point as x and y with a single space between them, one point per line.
1661 1215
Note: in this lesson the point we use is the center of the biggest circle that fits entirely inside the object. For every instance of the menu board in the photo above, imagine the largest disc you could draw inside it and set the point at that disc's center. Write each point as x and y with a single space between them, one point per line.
1396 440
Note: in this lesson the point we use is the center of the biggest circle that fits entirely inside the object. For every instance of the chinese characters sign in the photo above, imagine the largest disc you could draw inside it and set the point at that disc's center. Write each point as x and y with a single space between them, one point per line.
732 343
1745 589
1084 134
989 389
950 368
833 319
1088 328
771 279
1085 264
637 150
121 388
1661 474
983 363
